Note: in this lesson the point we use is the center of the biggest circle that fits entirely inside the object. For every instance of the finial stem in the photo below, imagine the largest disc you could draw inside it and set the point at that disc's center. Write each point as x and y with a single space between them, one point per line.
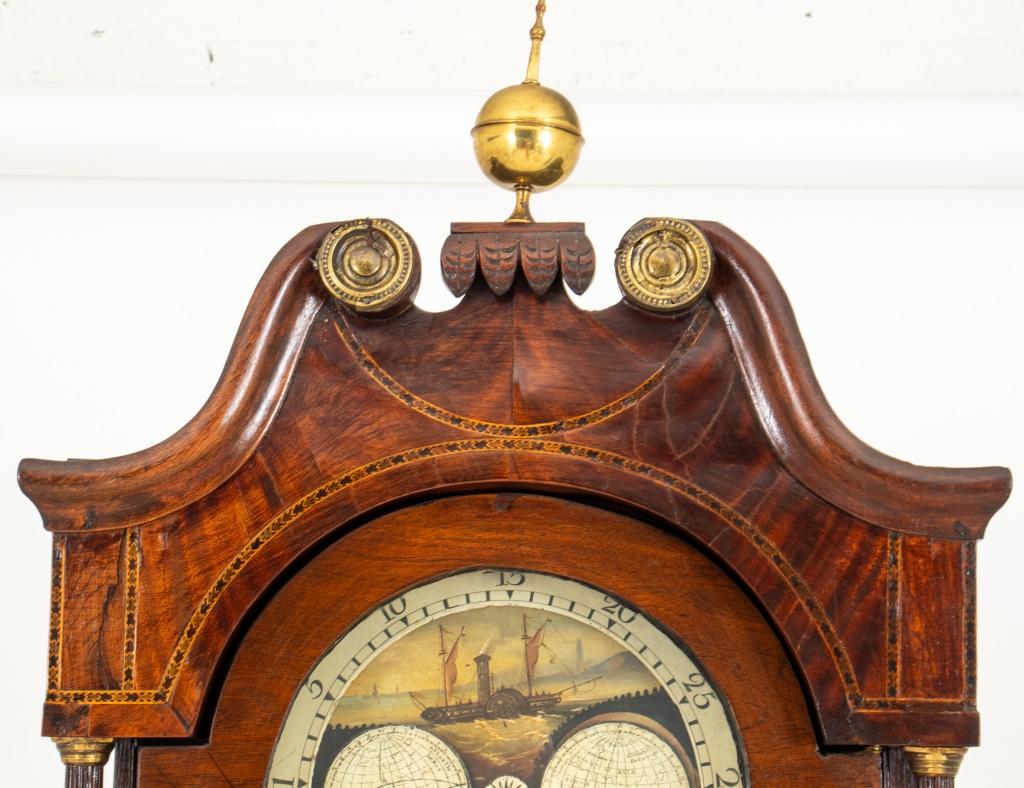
536 36
522 215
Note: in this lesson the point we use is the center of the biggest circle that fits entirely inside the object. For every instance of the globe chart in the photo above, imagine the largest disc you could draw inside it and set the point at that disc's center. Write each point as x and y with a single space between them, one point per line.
398 756
615 755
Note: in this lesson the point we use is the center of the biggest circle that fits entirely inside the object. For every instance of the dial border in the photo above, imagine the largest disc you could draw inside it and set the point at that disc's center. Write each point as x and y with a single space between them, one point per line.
370 647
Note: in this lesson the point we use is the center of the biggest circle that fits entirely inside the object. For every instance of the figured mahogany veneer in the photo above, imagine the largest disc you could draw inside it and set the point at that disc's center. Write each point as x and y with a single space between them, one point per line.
77 494
709 422
808 436
656 572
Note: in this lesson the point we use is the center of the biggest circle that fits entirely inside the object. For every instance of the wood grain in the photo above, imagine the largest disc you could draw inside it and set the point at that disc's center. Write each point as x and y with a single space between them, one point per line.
80 494
503 250
654 571
807 435
126 763
709 423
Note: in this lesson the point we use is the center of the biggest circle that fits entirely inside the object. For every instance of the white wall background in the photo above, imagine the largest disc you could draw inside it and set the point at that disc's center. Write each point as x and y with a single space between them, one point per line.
154 155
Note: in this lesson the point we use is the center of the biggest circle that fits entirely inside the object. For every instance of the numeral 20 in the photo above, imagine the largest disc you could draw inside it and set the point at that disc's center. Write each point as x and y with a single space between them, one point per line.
616 609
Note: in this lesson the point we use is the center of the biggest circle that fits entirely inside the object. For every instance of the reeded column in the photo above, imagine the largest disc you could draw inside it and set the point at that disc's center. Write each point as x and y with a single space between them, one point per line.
84 760
935 767
126 763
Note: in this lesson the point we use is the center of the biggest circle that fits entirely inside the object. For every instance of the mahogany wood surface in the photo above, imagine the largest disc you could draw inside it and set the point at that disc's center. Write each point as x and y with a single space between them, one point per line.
518 228
709 422
651 569
77 494
500 250
91 495
806 433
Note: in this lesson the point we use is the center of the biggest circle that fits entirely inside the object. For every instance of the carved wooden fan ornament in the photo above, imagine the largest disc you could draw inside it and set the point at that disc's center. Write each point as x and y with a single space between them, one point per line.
515 543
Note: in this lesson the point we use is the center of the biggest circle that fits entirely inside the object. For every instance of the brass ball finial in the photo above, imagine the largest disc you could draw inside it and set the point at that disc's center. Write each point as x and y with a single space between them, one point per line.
527 137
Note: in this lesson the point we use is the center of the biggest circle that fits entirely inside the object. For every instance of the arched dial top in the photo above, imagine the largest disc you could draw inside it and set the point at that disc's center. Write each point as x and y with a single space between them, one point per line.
499 676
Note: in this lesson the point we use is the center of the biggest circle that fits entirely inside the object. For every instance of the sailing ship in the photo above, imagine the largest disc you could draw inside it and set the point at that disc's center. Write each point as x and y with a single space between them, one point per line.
491 702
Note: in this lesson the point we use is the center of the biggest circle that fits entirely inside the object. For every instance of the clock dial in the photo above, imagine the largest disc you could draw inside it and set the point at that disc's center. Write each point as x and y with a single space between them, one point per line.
501 677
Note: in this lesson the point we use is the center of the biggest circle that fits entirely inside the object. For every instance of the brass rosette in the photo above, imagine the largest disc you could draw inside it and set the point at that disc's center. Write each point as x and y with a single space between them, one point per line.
663 264
371 265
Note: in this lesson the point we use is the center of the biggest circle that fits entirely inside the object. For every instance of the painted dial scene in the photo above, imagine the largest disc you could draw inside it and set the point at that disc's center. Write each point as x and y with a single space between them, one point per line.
500 678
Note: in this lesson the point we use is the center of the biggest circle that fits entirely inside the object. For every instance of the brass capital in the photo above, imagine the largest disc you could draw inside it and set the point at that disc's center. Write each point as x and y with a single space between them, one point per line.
935 761
84 751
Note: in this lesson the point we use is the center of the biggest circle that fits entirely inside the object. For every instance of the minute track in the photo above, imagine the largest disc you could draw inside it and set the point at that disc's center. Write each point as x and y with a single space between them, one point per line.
710 735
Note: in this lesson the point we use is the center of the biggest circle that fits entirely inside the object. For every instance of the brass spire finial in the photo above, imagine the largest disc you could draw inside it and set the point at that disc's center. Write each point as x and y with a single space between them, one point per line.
527 137
536 37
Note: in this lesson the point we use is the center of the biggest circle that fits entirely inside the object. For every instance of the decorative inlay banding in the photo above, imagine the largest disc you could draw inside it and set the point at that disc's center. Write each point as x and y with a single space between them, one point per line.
688 489
970 561
56 613
893 595
131 607
369 364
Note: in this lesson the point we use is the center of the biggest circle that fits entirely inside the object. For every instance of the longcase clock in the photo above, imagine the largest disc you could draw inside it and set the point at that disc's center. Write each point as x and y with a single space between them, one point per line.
516 544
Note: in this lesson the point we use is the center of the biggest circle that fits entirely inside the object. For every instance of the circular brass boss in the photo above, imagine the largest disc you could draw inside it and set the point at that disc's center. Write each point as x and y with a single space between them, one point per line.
369 264
663 264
